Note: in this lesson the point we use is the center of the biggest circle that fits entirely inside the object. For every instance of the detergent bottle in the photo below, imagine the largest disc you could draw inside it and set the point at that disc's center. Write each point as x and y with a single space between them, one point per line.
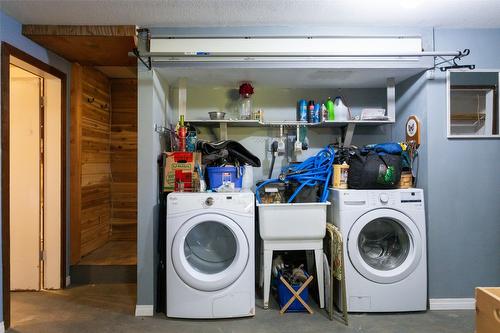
329 109
341 111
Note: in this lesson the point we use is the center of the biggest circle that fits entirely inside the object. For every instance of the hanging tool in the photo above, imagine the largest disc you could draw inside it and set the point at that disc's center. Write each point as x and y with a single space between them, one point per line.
274 152
281 141
298 145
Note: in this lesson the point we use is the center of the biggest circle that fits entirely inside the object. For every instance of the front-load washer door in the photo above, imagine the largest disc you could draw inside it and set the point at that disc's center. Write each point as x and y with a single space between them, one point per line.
384 245
210 252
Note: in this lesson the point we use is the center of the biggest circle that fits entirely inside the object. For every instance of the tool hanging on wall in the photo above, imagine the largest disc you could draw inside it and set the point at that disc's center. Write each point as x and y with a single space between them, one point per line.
298 145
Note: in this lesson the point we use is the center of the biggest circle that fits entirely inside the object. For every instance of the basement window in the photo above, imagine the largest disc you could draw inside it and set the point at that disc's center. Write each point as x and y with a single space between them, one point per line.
473 104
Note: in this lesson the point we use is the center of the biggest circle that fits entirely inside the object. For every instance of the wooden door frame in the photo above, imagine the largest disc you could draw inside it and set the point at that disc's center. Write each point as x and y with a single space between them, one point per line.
7 51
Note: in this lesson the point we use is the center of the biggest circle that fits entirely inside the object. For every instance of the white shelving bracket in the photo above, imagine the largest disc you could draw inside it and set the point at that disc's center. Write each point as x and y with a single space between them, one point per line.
349 132
223 131
391 99
182 97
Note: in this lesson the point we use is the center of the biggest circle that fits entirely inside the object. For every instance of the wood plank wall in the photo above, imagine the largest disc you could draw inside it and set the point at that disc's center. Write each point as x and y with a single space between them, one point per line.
124 159
90 161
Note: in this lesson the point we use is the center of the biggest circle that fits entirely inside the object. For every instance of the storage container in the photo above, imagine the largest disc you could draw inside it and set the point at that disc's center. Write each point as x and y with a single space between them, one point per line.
487 310
292 220
219 175
284 296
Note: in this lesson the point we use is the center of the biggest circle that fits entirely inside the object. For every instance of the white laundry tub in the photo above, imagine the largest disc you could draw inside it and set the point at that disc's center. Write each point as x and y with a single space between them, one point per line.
291 221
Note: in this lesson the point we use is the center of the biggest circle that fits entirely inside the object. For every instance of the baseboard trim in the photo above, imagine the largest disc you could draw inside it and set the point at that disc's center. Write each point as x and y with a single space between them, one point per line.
2 327
452 303
68 280
144 310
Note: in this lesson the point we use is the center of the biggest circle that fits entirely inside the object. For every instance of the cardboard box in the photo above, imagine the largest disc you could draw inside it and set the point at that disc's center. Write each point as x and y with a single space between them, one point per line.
179 168
488 310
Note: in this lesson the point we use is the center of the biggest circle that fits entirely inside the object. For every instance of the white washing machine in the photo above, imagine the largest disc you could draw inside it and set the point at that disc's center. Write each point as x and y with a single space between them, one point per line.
210 255
384 248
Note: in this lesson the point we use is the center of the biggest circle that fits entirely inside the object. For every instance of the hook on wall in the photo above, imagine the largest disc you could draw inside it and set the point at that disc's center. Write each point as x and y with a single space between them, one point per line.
460 55
91 100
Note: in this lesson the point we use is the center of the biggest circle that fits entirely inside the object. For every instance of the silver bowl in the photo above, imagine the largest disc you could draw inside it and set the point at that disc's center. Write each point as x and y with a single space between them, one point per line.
217 115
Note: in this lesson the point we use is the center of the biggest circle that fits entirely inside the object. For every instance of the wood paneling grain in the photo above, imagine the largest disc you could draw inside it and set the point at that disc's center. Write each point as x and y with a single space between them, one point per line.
90 160
87 45
124 159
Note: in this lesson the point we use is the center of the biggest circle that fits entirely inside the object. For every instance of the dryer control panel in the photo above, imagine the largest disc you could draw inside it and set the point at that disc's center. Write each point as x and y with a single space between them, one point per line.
242 202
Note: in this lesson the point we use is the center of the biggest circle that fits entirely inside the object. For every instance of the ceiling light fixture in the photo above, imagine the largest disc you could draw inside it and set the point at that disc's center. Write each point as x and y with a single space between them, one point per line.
410 4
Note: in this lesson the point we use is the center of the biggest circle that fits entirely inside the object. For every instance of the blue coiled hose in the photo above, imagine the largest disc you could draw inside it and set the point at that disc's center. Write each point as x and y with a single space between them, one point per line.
313 171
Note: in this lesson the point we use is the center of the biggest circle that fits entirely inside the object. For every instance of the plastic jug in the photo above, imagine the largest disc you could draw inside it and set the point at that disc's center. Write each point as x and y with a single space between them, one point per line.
341 111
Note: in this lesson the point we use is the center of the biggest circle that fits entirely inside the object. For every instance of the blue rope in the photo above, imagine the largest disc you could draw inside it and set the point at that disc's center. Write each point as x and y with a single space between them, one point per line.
315 170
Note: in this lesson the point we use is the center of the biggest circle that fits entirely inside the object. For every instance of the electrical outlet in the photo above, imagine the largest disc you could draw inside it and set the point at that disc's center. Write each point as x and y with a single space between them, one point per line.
281 145
297 147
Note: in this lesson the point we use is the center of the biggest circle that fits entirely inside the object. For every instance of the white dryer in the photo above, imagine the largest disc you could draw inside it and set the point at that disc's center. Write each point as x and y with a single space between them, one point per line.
210 255
384 248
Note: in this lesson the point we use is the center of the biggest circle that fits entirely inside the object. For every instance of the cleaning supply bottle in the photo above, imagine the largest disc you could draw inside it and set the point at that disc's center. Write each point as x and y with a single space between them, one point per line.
310 112
317 113
302 110
330 109
341 111
181 133
324 113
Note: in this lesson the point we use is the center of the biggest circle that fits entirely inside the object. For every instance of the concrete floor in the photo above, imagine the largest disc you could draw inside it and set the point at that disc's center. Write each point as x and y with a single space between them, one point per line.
110 308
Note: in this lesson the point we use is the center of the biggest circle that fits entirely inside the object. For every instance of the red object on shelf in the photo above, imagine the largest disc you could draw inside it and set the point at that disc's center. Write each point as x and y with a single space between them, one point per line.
246 90
182 133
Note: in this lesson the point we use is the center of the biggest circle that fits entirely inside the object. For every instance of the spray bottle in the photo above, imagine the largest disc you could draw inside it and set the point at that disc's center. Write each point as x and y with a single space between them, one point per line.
181 133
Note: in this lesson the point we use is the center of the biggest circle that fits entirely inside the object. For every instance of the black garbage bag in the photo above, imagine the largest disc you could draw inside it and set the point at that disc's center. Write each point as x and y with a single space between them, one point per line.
226 152
374 170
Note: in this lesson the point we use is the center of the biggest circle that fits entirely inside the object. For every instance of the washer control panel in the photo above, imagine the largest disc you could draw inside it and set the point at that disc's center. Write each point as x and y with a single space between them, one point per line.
382 198
411 197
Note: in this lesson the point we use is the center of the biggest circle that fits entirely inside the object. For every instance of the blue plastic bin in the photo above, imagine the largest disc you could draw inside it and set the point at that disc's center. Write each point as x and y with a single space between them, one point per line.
219 175
284 296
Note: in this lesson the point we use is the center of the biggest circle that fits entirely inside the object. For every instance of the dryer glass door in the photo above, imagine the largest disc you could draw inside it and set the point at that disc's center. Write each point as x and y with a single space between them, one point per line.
210 247
384 245
210 252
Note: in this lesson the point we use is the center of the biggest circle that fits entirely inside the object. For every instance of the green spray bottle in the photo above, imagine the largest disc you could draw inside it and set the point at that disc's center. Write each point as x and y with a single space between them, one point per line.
330 109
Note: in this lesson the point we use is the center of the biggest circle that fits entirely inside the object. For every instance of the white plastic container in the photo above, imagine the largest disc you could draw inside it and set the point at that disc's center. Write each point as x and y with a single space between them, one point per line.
247 182
291 221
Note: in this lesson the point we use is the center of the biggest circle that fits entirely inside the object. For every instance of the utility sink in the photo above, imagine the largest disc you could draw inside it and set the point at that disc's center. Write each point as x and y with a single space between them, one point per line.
292 221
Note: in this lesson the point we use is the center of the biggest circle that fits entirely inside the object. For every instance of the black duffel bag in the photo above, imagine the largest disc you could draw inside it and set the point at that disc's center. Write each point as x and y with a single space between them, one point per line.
371 169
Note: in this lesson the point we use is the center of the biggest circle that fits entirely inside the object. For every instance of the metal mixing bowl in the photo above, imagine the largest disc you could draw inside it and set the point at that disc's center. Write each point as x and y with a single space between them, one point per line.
217 115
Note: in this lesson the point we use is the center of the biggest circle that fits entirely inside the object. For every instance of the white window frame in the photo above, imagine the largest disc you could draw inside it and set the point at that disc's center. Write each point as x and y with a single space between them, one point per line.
448 104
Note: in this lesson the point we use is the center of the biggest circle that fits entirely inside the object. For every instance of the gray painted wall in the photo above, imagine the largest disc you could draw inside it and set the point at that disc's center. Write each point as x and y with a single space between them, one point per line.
463 184
459 176
10 32
151 110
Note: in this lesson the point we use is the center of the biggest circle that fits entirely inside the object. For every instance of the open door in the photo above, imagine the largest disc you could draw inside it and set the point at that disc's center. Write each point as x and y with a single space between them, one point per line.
25 179
33 153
